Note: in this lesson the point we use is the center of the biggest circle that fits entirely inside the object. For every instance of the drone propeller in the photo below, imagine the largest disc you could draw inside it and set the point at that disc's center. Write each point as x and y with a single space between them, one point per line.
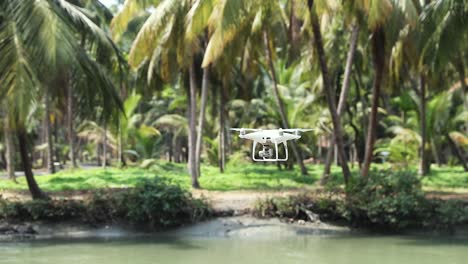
297 129
245 129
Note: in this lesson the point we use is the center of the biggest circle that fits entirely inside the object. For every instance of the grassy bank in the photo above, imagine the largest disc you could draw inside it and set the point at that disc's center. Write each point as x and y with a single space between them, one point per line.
239 177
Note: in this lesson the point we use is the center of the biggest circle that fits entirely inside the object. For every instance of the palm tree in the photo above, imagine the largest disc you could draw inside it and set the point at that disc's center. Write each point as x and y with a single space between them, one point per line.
48 132
9 148
378 13
168 42
354 37
249 21
201 118
30 33
337 128
417 50
70 116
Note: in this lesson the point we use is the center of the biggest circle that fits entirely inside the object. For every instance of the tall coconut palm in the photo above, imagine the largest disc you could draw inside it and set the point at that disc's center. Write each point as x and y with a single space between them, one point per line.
48 131
418 50
353 41
168 42
9 148
337 128
30 34
250 21
378 12
70 117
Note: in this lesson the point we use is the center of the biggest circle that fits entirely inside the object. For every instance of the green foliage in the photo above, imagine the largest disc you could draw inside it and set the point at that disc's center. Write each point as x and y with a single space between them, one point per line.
449 213
386 198
50 210
155 202
161 204
403 148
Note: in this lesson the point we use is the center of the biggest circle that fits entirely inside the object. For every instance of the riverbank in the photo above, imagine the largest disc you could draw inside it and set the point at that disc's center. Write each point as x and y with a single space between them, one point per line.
237 215
232 226
386 200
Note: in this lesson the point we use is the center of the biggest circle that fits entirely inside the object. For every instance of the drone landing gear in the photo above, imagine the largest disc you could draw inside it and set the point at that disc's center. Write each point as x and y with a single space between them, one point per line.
267 153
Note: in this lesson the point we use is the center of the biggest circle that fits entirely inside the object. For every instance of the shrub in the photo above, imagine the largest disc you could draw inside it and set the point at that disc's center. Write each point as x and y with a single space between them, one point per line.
161 204
49 210
102 207
156 202
448 213
386 199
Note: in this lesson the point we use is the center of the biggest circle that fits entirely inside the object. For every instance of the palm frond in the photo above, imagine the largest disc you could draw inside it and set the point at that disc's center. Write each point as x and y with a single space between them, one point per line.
130 10
197 18
149 34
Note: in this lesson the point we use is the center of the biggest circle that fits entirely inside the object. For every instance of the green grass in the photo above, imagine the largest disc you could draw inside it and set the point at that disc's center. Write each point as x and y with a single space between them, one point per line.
446 178
257 176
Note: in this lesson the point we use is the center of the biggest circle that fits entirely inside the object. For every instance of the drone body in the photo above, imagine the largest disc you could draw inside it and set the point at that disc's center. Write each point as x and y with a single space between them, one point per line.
270 139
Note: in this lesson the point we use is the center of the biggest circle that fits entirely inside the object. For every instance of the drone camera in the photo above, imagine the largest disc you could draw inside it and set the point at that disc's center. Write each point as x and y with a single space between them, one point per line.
267 152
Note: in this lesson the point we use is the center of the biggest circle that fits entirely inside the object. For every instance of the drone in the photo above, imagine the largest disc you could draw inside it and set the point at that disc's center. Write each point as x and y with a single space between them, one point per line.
270 139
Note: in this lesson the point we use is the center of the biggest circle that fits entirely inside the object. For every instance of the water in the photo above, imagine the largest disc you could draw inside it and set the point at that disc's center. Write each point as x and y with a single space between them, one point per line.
328 249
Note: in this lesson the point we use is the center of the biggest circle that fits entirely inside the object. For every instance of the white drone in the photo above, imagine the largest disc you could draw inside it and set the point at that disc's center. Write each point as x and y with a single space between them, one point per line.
269 138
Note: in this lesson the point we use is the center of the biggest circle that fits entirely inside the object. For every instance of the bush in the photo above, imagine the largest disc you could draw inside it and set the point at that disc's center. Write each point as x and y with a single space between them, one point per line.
156 202
386 199
448 213
160 203
102 207
49 210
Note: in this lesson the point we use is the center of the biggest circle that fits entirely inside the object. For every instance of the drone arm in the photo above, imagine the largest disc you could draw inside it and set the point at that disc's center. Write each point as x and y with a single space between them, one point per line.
276 146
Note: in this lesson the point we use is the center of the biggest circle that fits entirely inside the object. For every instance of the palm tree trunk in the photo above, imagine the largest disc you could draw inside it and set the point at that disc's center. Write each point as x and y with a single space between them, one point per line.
344 93
201 118
378 55
48 129
460 66
435 152
104 147
71 133
58 156
120 154
279 102
34 189
192 128
10 150
337 129
422 116
222 127
293 34
98 154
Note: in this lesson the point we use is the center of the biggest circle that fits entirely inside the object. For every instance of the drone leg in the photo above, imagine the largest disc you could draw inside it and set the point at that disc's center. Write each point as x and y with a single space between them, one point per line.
253 151
286 150
277 150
